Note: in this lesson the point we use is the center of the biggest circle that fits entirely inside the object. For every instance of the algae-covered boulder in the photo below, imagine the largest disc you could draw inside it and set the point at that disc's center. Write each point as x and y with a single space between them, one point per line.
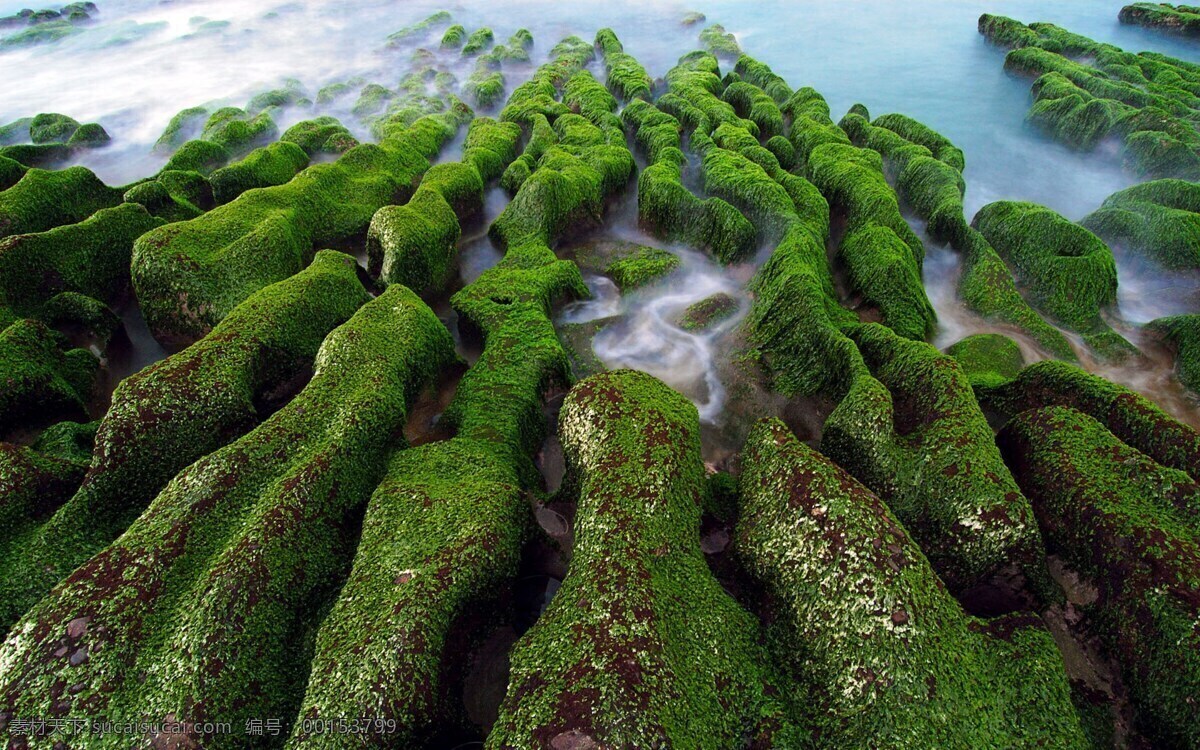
52 127
230 566
640 647
1159 220
1068 271
185 125
987 359
179 409
1182 333
708 312
1175 19
625 76
42 380
44 199
642 266
913 433
320 135
238 131
1132 417
32 485
270 165
190 274
90 258
880 654
1132 528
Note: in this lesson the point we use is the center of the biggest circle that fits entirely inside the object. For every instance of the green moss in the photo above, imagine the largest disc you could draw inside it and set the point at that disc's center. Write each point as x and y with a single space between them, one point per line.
332 92
1006 32
292 94
1130 526
916 132
32 485
1159 220
263 527
42 33
174 195
190 274
270 165
720 42
172 413
437 544
879 652
372 100
419 29
915 435
626 78
237 131
1180 19
11 172
44 199
643 266
755 72
52 128
1182 332
90 258
683 669
320 135
987 359
89 135
881 253
1130 416
455 37
42 380
708 312
1068 272
485 88
16 131
198 156
752 102
478 42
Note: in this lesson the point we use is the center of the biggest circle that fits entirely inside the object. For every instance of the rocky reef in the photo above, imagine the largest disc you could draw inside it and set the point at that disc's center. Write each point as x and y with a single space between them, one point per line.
383 484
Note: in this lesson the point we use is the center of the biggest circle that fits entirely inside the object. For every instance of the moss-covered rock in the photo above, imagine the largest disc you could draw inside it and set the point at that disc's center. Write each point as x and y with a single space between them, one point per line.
708 312
44 199
415 244
879 652
42 380
198 156
913 433
454 37
419 29
51 127
190 274
237 131
184 126
320 135
1068 271
90 258
478 42
1159 220
882 255
172 413
226 572
291 94
89 135
1131 527
642 266
270 165
626 78
988 359
1133 418
1176 19
720 42
640 647
1182 333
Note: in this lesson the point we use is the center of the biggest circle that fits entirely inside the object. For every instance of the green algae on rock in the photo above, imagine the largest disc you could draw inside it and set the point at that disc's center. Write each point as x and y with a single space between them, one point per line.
267 166
913 433
320 135
708 312
642 266
1182 333
1176 19
238 131
42 378
478 42
178 410
44 199
1133 418
640 647
1159 220
879 652
189 275
1132 527
415 244
226 572
987 359
1068 271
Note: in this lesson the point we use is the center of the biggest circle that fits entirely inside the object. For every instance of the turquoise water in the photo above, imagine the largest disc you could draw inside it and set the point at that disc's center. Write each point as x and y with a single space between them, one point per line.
144 60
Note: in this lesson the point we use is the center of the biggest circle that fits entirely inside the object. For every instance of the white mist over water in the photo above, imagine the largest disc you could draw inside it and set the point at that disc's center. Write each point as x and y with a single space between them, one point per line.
142 61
